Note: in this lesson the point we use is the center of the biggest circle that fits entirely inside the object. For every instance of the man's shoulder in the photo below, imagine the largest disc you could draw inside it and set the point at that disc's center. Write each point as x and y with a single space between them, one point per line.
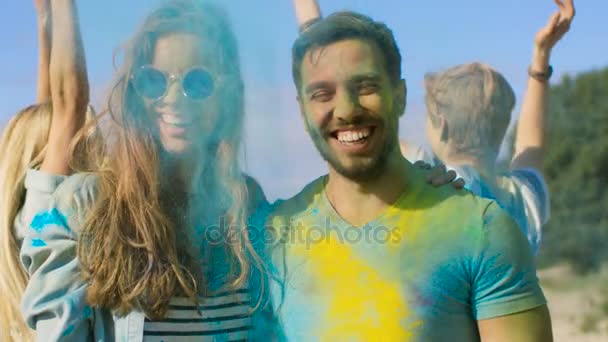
446 199
463 223
299 204
460 214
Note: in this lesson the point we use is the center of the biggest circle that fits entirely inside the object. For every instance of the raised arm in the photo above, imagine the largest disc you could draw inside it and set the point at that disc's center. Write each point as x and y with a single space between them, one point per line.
69 85
307 11
529 141
43 89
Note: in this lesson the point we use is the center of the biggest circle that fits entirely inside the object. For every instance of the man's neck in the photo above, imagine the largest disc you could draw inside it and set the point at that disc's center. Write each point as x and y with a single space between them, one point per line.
360 202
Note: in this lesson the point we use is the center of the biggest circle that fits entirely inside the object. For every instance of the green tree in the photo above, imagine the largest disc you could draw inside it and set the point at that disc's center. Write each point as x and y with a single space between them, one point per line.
576 167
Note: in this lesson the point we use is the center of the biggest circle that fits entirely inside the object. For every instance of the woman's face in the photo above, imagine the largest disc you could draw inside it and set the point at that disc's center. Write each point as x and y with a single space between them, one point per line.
187 110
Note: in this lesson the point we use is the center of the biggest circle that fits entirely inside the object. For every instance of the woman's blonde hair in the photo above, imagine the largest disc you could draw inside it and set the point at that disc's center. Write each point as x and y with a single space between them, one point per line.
130 245
22 146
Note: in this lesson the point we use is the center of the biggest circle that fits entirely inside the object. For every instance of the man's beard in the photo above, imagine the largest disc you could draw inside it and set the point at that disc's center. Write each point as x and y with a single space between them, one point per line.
361 171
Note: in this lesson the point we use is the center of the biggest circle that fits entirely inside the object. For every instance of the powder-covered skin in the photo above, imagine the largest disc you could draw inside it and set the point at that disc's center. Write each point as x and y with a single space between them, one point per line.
427 268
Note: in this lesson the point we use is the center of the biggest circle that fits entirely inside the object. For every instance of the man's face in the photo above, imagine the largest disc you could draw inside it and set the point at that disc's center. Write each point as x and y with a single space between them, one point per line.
350 107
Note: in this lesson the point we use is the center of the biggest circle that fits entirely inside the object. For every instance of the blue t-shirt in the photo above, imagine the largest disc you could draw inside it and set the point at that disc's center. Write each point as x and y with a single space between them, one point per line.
426 269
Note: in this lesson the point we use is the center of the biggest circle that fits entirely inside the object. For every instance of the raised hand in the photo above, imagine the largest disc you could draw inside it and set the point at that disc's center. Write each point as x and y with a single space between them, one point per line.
307 11
69 85
530 141
556 28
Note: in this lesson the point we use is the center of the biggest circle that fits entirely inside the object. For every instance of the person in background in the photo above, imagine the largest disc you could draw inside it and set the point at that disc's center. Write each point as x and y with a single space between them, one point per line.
468 112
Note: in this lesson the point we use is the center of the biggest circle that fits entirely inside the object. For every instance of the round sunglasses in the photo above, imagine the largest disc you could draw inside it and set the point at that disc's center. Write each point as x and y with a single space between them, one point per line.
149 82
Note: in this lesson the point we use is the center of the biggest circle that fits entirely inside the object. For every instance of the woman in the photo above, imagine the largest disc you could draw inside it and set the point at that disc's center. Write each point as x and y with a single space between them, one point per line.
34 152
162 226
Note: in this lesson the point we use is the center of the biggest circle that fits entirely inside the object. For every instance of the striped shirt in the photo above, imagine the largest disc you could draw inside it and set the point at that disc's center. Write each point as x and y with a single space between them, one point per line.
223 316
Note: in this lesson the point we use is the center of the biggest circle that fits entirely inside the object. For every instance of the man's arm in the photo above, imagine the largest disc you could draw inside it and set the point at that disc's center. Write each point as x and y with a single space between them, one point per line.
529 141
307 11
43 89
69 86
508 303
528 326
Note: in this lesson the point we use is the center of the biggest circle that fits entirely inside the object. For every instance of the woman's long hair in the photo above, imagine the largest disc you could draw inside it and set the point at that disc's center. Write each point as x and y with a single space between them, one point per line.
22 146
130 245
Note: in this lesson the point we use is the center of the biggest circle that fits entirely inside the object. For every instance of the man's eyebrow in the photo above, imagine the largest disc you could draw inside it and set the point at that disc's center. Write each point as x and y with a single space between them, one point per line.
316 85
372 76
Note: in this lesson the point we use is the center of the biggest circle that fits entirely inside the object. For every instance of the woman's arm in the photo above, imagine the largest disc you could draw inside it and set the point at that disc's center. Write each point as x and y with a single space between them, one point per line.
54 301
530 141
69 85
43 89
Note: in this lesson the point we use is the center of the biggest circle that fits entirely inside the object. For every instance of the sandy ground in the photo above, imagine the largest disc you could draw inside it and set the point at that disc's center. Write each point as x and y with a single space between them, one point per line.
578 304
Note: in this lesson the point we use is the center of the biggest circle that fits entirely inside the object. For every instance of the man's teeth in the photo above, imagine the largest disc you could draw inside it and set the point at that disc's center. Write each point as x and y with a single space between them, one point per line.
353 136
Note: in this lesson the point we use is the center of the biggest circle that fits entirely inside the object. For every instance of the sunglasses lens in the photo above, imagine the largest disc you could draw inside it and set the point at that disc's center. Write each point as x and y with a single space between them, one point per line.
150 83
198 84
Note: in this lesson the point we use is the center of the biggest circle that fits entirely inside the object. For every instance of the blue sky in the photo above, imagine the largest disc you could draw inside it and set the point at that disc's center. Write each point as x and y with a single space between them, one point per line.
432 35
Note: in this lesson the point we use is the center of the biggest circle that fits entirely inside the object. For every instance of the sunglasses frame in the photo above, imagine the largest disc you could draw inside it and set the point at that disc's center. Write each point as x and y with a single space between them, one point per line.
172 78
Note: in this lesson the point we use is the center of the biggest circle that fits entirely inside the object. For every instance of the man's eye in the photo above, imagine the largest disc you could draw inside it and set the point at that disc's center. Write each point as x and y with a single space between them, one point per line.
368 88
321 96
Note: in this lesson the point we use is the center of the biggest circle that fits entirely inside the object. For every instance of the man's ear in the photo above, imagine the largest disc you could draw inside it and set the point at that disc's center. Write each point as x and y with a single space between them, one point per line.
302 112
401 97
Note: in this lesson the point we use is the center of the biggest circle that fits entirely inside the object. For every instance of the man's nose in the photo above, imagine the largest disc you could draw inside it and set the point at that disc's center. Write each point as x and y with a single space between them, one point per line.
347 105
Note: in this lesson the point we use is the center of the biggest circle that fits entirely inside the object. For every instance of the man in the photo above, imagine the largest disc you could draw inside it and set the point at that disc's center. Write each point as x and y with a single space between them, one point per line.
469 108
371 251
468 111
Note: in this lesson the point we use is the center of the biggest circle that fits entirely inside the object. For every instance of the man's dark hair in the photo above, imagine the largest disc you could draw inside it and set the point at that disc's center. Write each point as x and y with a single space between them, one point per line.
342 26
